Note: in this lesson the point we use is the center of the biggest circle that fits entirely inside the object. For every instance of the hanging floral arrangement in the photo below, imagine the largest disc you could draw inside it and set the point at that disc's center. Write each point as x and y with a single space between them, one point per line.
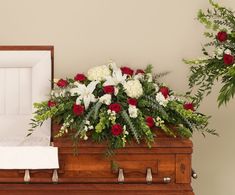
217 62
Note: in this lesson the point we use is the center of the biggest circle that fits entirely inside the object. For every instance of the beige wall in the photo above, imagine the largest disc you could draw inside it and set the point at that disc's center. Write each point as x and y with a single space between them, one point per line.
133 32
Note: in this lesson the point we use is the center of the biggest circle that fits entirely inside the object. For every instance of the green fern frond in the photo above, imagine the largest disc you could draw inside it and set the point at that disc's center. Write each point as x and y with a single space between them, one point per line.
127 119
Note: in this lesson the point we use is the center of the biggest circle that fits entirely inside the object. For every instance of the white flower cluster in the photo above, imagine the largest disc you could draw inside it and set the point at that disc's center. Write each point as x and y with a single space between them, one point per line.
112 115
133 88
98 73
159 121
161 99
64 128
87 127
125 133
133 111
105 99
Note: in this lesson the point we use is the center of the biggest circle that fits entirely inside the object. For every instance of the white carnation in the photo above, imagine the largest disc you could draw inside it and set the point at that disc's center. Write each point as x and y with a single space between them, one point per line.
133 88
228 51
161 99
98 73
106 99
133 111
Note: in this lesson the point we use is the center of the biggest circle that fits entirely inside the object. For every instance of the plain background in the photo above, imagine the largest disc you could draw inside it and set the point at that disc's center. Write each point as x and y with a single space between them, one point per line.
132 32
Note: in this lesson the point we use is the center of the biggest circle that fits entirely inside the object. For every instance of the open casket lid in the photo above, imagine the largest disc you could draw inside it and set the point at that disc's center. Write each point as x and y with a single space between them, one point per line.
25 75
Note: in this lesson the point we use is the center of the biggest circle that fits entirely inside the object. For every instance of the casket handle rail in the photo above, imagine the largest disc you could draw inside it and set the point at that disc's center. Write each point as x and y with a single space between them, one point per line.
121 177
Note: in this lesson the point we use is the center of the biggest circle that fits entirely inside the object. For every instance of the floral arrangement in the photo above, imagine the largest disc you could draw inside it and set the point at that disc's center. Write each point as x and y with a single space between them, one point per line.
118 105
218 60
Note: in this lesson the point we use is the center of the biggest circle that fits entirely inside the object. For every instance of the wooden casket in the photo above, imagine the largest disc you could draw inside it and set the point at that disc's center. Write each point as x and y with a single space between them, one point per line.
165 169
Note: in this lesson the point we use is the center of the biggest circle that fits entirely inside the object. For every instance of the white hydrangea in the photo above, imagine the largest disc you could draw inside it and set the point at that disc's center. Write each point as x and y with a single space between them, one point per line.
133 111
133 88
106 99
98 73
161 99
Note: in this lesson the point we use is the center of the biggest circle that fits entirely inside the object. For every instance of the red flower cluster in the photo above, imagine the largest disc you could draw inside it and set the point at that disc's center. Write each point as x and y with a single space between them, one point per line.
228 59
127 70
115 107
117 130
132 101
164 91
80 77
149 121
108 89
189 106
62 83
51 103
222 36
139 71
78 109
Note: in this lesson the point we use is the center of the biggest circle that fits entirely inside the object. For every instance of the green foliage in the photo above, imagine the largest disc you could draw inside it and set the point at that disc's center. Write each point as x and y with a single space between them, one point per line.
128 121
206 71
133 116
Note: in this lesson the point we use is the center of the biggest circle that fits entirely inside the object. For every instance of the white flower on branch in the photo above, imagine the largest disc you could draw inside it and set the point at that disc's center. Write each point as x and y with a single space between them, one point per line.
84 93
115 78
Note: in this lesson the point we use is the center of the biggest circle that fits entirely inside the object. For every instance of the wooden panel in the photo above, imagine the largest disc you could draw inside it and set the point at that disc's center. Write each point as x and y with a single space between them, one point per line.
183 168
94 189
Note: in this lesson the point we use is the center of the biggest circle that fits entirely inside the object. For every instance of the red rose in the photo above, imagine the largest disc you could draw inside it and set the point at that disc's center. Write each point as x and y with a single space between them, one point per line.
132 101
115 107
108 89
78 109
62 83
80 77
189 106
149 121
222 36
50 103
126 70
164 91
117 129
228 59
139 71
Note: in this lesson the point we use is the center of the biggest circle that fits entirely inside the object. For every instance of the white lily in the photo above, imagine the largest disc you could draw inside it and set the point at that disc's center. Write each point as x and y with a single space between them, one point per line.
84 93
116 78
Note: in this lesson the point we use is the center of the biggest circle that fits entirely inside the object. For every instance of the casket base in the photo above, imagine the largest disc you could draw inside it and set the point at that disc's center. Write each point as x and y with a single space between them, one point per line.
164 169
90 189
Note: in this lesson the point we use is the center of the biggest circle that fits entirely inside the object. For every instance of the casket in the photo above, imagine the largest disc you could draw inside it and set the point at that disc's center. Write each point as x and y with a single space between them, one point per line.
164 169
